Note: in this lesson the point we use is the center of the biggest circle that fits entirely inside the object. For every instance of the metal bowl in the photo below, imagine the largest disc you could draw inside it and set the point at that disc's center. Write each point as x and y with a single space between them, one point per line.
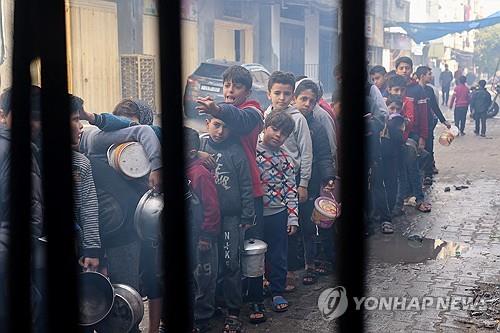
147 217
96 298
127 311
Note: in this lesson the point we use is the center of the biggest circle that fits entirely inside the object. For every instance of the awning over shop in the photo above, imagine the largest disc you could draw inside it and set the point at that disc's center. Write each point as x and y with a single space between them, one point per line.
423 32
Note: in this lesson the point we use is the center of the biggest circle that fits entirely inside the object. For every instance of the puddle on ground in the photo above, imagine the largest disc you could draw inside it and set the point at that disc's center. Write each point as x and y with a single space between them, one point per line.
412 249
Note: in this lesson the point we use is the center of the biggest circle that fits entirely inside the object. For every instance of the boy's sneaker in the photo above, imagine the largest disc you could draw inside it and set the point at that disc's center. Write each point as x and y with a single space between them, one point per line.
483 135
476 132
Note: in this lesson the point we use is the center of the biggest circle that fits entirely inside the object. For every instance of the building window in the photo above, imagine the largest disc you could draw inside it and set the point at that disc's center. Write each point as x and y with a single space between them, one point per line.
329 19
293 12
232 8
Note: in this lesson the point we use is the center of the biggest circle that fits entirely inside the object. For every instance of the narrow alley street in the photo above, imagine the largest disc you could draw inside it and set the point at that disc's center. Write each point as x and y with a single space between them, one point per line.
461 235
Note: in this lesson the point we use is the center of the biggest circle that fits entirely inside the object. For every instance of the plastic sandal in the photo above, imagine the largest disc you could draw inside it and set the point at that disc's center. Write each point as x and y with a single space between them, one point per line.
387 228
257 310
232 325
278 302
310 277
423 207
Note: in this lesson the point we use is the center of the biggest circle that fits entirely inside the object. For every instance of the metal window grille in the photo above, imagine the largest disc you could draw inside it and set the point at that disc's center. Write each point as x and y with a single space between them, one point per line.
40 31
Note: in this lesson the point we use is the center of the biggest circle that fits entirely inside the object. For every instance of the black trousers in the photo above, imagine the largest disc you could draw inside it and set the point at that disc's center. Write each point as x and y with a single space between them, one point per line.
446 94
460 117
481 120
429 146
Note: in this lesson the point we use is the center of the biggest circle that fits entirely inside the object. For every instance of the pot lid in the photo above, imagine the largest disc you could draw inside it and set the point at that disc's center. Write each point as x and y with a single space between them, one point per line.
254 246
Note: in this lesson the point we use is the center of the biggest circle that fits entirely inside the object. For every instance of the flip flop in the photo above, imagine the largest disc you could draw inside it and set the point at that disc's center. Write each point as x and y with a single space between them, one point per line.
277 301
387 228
423 207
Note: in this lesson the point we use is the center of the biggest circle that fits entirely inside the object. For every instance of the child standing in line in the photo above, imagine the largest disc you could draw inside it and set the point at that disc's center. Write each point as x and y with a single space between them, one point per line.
205 232
298 146
305 99
391 143
244 118
234 190
280 201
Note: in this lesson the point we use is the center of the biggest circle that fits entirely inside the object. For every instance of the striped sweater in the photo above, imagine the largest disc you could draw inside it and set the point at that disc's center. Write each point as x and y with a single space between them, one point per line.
86 209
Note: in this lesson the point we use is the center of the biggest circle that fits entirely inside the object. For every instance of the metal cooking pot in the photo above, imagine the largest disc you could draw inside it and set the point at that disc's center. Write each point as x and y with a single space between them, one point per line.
147 218
96 298
127 311
129 158
252 258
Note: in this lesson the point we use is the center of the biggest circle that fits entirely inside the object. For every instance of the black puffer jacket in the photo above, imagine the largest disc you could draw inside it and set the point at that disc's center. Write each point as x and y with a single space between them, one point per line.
322 166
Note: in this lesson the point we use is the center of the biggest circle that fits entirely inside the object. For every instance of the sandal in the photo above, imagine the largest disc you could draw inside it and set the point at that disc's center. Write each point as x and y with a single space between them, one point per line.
310 277
279 304
387 228
232 325
257 314
201 326
320 268
290 282
423 207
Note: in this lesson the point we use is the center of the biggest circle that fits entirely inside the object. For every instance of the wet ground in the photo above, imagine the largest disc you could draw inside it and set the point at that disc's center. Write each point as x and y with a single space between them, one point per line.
452 252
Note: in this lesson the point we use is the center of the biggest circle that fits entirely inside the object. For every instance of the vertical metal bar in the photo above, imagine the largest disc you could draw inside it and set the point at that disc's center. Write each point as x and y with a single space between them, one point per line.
20 177
57 170
177 305
354 170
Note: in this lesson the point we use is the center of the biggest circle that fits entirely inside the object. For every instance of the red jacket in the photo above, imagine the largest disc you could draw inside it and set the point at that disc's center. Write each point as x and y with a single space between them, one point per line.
416 93
408 112
461 97
203 185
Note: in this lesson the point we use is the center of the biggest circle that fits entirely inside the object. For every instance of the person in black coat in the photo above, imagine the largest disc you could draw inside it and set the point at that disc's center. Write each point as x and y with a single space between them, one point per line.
480 103
323 173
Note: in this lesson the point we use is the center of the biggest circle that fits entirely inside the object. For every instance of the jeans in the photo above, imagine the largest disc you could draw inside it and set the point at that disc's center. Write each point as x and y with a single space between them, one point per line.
460 117
378 196
410 180
309 231
205 280
429 146
276 237
446 94
480 118
230 245
390 169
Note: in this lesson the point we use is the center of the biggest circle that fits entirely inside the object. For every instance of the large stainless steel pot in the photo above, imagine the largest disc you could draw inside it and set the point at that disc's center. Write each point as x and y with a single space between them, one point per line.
96 298
253 257
147 218
127 311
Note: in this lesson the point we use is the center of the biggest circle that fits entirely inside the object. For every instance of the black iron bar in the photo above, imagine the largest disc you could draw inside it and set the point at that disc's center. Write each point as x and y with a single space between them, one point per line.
177 305
353 157
57 170
20 177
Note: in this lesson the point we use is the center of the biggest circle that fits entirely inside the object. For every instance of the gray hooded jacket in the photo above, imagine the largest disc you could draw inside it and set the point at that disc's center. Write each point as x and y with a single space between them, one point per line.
298 145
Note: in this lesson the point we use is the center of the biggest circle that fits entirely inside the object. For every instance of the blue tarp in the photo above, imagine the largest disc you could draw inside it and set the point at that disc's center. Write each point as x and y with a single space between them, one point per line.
423 32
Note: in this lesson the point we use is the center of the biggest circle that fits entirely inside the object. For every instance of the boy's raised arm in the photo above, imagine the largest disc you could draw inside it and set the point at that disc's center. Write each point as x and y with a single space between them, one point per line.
242 121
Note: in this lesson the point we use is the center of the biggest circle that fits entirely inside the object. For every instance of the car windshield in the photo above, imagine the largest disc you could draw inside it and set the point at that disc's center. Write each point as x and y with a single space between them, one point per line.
210 70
